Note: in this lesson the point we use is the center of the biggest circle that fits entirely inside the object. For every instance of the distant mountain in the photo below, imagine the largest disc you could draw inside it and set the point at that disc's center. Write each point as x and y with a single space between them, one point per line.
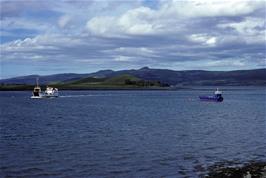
171 77
56 78
31 79
101 73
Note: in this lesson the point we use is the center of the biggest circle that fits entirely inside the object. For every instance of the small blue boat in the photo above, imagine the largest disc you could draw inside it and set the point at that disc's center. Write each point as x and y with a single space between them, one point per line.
217 97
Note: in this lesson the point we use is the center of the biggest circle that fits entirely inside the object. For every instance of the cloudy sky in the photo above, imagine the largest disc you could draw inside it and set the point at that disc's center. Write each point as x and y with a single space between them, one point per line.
82 36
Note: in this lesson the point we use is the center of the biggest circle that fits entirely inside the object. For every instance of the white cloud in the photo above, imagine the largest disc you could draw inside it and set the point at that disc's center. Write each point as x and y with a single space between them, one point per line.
248 27
211 41
226 63
122 58
251 30
138 21
133 22
172 35
23 23
132 51
203 39
206 64
210 8
63 21
101 25
39 47
168 17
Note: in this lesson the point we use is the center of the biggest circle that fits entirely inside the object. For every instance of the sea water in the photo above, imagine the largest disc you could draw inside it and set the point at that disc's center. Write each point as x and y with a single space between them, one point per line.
129 133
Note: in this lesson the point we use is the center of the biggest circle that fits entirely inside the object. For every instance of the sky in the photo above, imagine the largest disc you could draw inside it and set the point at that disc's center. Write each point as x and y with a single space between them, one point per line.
82 36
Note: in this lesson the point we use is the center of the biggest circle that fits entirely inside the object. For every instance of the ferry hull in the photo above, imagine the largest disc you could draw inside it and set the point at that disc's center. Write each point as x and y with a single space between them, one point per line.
42 96
50 96
35 97
211 98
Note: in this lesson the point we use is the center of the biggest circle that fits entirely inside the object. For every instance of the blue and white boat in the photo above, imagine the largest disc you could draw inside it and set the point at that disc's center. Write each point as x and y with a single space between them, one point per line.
217 97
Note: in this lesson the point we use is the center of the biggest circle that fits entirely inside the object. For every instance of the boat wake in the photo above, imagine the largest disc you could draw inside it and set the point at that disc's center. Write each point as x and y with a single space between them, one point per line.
73 96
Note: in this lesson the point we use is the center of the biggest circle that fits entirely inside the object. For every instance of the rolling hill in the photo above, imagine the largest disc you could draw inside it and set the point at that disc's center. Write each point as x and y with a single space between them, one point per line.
256 77
123 81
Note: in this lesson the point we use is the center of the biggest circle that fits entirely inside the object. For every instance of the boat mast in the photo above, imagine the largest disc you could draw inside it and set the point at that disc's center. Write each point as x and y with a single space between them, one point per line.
37 82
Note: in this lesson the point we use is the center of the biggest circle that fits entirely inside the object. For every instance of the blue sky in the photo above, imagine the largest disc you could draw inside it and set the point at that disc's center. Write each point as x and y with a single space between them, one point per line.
48 37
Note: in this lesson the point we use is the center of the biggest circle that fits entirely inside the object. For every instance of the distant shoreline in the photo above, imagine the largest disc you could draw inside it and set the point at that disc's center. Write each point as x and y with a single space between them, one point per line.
144 77
30 88
200 88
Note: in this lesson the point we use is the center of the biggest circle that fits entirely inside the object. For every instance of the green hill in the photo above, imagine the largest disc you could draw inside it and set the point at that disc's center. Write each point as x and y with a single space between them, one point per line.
121 80
141 79
253 77
124 81
88 80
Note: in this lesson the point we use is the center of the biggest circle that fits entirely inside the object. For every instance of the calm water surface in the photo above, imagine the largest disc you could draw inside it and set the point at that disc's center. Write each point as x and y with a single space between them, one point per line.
129 133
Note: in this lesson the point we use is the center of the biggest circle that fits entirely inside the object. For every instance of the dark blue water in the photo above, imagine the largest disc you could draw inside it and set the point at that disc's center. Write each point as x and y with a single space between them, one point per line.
129 133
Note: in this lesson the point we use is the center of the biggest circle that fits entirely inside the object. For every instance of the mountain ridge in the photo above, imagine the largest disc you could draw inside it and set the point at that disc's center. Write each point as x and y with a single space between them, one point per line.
171 77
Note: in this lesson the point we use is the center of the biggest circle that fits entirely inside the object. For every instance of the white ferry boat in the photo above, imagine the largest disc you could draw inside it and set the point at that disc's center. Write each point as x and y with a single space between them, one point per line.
50 92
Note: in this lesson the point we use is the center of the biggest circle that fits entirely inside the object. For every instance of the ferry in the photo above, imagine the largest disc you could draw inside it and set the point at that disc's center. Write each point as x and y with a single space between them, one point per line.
48 93
217 97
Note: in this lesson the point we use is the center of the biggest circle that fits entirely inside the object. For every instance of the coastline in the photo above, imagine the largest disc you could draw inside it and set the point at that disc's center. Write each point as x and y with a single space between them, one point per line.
89 88
76 88
254 169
